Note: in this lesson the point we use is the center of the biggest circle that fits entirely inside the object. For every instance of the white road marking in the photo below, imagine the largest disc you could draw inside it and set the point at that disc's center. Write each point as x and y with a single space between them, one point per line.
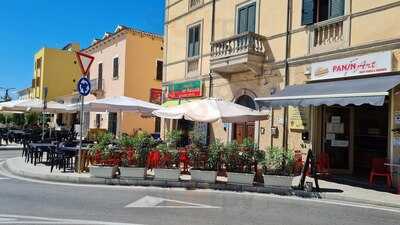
293 198
4 178
20 219
154 202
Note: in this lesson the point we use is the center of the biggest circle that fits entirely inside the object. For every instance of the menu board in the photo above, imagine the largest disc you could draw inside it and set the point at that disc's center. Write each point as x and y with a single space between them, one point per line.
298 118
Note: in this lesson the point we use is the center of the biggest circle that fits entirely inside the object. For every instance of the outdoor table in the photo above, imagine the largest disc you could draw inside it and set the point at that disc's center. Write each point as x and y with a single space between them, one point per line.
84 157
397 166
44 147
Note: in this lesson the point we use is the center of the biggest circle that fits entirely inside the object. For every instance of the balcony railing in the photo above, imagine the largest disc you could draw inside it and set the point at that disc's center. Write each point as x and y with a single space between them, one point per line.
195 3
250 43
328 35
97 85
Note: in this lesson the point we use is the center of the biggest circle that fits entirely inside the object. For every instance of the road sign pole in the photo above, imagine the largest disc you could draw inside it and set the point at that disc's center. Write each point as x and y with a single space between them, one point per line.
81 135
84 86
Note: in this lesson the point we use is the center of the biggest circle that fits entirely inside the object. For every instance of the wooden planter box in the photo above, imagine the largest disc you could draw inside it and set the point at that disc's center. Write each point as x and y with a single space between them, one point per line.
241 178
167 174
203 176
275 180
103 171
131 172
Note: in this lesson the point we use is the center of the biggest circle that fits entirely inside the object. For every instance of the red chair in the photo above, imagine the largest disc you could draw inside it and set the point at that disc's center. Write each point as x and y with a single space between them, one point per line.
380 170
153 159
323 164
184 159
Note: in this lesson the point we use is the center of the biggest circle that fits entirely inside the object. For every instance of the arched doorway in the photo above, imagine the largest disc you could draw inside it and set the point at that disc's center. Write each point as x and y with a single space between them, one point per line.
246 129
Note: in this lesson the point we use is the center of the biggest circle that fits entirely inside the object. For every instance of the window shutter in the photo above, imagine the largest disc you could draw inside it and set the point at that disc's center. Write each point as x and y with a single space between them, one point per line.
242 20
190 42
196 41
336 8
251 26
308 12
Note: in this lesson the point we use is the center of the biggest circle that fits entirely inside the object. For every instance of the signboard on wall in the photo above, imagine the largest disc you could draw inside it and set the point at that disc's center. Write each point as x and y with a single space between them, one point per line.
380 62
187 89
155 96
298 118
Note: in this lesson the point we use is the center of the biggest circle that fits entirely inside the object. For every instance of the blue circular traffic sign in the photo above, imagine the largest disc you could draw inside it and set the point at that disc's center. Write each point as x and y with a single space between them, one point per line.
84 86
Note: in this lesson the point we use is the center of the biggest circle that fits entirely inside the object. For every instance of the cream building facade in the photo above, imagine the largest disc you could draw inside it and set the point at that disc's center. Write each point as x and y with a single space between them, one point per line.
252 49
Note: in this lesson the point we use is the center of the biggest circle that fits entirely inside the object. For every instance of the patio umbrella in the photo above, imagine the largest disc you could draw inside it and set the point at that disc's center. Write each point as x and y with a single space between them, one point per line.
211 110
33 105
121 104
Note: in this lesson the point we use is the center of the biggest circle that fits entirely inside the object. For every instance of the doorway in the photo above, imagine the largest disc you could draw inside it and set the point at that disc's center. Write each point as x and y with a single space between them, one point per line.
337 138
352 136
244 130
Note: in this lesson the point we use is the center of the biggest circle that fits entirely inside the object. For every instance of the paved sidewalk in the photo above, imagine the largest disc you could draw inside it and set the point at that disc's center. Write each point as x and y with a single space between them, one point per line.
10 146
330 190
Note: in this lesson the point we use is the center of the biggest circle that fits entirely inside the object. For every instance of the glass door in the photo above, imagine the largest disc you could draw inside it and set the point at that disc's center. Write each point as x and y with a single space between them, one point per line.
338 138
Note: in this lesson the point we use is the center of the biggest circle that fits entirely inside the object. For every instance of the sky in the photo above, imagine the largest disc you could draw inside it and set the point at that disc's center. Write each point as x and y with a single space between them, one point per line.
28 25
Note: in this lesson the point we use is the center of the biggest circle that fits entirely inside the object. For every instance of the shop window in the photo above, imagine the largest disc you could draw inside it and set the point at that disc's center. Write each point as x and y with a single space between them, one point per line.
159 75
315 11
116 68
246 18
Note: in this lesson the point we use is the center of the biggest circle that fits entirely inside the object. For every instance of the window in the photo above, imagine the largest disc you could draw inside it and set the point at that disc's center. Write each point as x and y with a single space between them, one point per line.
115 67
194 41
159 75
100 76
315 11
246 18
98 118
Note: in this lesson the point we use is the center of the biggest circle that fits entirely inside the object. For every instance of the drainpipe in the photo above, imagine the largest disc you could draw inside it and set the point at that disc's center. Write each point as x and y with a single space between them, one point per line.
212 39
287 52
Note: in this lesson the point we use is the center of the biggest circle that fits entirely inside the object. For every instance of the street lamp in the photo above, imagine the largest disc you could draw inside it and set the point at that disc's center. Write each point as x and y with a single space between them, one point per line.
6 97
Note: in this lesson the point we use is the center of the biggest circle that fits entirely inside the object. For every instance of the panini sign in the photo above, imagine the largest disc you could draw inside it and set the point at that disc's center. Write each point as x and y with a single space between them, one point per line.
380 62
187 89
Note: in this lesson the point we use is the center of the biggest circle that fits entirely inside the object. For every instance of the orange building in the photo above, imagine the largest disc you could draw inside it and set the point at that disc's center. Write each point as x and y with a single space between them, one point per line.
128 62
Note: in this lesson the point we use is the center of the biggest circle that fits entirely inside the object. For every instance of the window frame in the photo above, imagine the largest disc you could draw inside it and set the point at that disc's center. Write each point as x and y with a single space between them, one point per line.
162 69
256 19
193 26
115 75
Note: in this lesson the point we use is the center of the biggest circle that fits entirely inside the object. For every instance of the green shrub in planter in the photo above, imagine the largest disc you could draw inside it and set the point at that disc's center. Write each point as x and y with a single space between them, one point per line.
279 161
143 144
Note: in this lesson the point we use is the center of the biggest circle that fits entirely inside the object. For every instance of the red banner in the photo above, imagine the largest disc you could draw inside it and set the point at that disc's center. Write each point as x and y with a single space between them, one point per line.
155 95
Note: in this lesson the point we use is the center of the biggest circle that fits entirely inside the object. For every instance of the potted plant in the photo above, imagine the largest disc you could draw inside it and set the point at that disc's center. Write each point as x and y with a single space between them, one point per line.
167 169
104 158
278 167
129 158
208 173
240 161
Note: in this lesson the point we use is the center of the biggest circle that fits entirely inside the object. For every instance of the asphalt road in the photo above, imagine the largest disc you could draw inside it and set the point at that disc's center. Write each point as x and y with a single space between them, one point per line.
25 201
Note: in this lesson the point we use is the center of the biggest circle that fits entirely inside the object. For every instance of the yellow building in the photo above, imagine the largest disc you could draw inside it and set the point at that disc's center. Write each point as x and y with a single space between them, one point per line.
128 62
57 70
253 49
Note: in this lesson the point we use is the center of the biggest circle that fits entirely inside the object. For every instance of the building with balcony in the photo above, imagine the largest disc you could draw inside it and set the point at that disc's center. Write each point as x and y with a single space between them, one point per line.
251 51
56 70
128 62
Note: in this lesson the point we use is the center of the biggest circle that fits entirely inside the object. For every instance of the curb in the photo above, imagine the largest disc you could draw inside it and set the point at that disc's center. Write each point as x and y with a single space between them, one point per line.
190 185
